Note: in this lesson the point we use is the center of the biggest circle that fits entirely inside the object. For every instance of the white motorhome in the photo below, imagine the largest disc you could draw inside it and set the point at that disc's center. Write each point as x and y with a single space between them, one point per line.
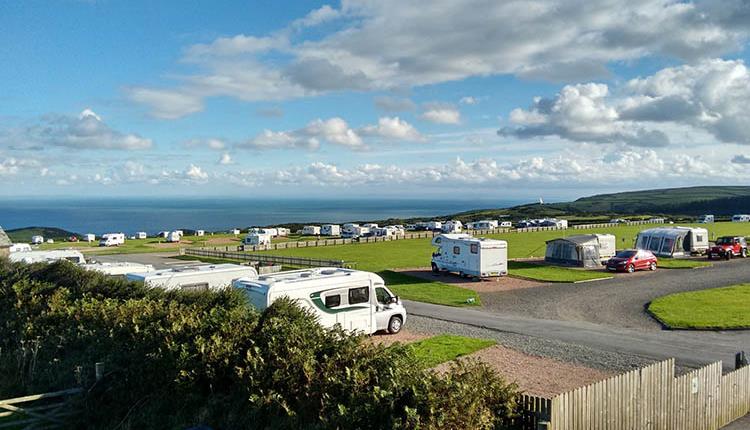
19 247
195 278
141 235
348 229
452 226
370 226
673 241
259 238
163 234
487 224
434 225
118 268
89 237
470 256
355 231
388 231
705 219
740 218
330 230
273 232
311 230
37 240
506 224
355 300
112 239
174 236
200 233
48 256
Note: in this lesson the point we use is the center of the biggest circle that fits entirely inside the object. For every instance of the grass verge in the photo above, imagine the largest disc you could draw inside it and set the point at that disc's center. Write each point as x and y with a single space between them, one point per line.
676 263
716 308
411 288
545 273
446 347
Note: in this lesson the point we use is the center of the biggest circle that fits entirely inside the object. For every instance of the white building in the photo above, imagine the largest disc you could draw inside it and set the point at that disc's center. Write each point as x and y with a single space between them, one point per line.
330 230
471 256
311 230
355 300
195 278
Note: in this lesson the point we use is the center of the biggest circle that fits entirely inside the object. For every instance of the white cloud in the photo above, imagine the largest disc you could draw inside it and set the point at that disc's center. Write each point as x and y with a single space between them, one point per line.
12 166
195 173
394 104
468 100
389 44
741 159
225 159
393 128
85 131
711 95
214 144
441 114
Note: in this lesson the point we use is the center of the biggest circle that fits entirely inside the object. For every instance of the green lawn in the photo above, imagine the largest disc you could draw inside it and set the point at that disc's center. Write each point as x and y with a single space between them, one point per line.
446 347
552 273
411 288
716 308
677 263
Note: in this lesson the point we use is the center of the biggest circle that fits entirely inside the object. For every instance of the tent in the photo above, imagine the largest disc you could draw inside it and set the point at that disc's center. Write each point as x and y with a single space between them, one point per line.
673 241
584 250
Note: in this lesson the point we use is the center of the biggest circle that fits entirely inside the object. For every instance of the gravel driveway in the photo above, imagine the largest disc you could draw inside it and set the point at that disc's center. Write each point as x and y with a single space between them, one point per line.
618 302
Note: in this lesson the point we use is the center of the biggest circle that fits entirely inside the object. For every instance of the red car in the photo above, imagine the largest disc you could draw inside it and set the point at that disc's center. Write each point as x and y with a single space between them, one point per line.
631 260
728 247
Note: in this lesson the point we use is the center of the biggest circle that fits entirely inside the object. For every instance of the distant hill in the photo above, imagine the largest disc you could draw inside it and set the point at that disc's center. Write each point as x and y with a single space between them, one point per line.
23 235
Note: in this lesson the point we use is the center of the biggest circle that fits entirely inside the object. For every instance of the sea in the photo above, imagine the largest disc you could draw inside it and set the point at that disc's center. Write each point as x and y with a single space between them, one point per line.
129 215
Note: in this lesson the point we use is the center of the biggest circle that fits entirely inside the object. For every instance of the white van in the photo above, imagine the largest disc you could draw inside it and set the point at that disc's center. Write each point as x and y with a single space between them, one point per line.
195 278
174 236
355 300
470 256
112 239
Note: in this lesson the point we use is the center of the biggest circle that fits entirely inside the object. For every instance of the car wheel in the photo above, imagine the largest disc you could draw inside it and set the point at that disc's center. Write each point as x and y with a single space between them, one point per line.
728 255
394 325
652 267
435 268
631 268
709 256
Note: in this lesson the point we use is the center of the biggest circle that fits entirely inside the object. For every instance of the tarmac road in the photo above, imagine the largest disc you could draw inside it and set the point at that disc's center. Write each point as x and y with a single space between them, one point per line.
618 302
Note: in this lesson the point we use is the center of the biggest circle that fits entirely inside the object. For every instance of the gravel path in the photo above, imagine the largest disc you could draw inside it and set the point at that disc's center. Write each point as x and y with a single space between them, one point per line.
617 302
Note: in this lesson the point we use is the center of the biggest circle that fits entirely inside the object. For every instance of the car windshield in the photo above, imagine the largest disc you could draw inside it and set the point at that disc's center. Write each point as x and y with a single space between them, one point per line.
625 254
724 241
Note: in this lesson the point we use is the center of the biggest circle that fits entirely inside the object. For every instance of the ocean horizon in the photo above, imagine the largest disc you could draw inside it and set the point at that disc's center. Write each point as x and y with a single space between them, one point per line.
130 215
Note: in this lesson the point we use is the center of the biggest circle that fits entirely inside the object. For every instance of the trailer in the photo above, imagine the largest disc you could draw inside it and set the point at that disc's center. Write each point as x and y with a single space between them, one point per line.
356 301
330 230
487 224
452 226
705 219
174 236
112 239
89 237
740 218
118 268
257 238
194 278
200 233
311 230
673 241
141 235
48 256
470 256
283 231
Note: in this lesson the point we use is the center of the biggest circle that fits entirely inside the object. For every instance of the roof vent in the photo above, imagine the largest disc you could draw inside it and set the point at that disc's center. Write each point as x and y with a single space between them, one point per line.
328 272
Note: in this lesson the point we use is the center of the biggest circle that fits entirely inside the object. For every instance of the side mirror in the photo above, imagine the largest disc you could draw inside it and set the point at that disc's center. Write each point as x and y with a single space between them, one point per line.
393 300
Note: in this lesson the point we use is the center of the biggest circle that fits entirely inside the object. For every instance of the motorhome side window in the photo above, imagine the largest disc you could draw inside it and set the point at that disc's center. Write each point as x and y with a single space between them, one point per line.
359 295
474 248
333 300
456 250
699 238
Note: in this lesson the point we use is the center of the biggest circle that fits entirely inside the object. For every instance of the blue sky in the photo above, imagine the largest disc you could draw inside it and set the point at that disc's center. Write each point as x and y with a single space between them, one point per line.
474 98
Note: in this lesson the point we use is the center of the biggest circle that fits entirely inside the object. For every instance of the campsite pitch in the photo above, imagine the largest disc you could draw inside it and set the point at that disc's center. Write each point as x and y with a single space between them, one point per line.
714 309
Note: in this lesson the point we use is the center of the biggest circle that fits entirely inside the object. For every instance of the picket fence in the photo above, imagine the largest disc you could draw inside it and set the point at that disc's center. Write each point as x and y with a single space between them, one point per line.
647 398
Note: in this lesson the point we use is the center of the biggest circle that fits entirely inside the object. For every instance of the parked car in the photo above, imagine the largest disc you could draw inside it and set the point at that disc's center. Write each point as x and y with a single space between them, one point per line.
728 247
631 260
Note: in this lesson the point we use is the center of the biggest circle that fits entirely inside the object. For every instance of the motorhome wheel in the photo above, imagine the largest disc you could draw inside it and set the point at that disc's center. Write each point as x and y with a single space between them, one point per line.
394 325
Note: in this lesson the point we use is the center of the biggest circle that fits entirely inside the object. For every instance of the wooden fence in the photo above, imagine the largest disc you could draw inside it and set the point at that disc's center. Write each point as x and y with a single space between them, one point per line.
266 259
46 410
648 398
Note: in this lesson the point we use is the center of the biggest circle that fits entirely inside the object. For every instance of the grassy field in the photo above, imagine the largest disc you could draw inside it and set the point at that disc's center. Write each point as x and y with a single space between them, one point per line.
446 347
411 288
717 308
677 263
552 273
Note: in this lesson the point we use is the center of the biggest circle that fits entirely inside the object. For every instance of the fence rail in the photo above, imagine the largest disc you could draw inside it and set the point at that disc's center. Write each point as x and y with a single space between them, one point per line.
48 410
647 398
266 259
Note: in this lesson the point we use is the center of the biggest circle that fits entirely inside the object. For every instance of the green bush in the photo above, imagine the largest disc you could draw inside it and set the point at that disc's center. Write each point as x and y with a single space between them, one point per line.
178 359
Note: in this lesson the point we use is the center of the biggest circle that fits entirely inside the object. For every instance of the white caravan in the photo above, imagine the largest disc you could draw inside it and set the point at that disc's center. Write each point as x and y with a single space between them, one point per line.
234 231
174 236
388 231
741 218
37 240
353 231
311 230
89 237
434 225
141 235
370 226
112 239
118 268
331 230
470 256
48 256
195 278
452 226
260 238
487 224
19 247
506 224
282 231
273 232
705 219
673 241
357 301
163 234
347 230
200 233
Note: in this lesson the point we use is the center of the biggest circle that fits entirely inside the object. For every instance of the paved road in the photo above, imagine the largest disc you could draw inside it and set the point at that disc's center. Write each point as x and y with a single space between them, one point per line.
161 260
618 302
689 348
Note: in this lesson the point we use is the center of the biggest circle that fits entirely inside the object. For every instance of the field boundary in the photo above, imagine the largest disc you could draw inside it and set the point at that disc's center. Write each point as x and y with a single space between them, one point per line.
48 411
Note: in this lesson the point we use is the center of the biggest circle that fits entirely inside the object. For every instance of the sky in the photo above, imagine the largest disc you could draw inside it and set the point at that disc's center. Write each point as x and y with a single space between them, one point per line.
493 99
